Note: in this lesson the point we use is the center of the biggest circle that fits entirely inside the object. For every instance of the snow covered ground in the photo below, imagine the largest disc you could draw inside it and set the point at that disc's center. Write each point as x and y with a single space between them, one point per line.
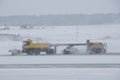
60 74
10 39
109 34
64 59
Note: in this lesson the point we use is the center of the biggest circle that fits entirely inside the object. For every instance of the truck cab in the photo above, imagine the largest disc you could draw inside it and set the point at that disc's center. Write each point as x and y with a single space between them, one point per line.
96 47
35 48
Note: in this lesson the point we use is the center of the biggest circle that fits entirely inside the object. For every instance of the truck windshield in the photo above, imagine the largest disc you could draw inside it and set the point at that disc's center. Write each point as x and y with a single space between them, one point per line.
25 43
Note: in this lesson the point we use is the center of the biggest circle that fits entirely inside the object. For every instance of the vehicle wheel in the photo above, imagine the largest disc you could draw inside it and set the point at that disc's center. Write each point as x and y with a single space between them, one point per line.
105 51
37 51
50 51
66 52
30 52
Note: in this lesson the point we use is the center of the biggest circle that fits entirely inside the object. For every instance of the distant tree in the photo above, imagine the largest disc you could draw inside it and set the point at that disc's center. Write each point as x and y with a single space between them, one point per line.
6 28
26 27
23 27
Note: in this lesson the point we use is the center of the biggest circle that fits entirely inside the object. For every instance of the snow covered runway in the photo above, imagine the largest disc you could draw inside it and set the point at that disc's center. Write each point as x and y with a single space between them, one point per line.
61 67
60 74
63 59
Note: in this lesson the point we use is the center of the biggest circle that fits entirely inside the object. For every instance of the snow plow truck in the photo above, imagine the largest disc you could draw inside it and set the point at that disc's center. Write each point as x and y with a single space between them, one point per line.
35 48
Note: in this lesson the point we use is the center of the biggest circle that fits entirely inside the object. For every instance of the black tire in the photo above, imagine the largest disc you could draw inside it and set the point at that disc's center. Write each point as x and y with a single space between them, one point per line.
50 51
30 52
37 51
105 51
66 52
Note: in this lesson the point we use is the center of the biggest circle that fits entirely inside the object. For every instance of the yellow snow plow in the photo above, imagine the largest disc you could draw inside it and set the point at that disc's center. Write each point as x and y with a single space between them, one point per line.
96 47
35 48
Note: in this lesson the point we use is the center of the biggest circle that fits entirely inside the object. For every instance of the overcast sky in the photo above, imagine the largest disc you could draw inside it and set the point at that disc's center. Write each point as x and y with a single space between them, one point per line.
43 7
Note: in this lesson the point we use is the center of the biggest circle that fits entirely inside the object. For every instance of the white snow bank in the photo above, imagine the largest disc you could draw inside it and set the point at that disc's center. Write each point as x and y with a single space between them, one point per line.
11 37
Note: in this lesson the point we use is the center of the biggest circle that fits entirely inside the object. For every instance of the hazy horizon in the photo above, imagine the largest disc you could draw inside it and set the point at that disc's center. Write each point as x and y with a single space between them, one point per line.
54 7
